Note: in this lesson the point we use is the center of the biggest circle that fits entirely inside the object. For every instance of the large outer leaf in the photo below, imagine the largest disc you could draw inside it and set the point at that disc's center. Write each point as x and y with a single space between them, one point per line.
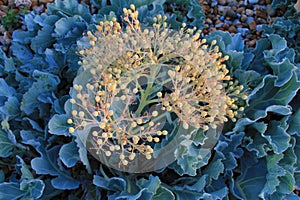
266 95
6 144
26 188
10 190
47 164
58 125
69 8
43 39
163 193
277 137
45 83
69 154
294 125
252 179
193 191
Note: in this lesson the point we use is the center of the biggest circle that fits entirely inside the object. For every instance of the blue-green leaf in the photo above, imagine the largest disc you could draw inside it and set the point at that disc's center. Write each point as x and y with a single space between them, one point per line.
5 90
11 191
58 125
214 169
45 82
163 193
252 179
2 176
283 70
69 8
7 145
11 108
194 191
69 154
274 171
47 164
34 188
266 94
26 174
294 125
43 39
112 184
277 137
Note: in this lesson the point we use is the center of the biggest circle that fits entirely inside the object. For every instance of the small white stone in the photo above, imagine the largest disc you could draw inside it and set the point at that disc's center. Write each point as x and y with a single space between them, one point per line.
253 1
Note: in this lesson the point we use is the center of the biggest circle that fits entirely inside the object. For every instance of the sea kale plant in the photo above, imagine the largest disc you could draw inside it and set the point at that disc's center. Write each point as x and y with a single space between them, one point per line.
134 80
59 107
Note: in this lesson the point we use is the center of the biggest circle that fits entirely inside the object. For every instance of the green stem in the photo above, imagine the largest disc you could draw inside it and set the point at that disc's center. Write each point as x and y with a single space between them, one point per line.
153 101
144 94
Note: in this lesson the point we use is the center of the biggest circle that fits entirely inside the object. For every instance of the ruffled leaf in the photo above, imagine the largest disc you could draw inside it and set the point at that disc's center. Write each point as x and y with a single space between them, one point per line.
69 8
266 94
69 154
45 82
58 125
47 164
248 185
6 143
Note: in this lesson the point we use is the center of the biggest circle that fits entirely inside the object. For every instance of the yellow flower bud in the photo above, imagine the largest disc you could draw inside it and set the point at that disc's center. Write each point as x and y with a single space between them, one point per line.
70 121
135 139
132 7
108 153
71 130
185 125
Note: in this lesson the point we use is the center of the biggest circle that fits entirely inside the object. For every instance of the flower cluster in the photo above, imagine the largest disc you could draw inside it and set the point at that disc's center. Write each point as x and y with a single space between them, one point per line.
141 75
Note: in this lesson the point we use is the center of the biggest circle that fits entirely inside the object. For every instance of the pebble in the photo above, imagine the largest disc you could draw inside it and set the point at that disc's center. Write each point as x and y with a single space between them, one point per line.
249 19
230 13
219 25
243 31
259 27
252 25
214 3
208 20
236 22
243 18
249 6
252 43
228 22
10 2
261 13
4 8
232 29
2 14
262 2
253 1
232 2
270 11
222 2
261 7
261 20
225 26
240 10
249 12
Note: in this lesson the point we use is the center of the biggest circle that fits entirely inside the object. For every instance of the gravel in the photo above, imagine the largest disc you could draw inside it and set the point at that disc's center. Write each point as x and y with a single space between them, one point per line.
246 17
235 16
